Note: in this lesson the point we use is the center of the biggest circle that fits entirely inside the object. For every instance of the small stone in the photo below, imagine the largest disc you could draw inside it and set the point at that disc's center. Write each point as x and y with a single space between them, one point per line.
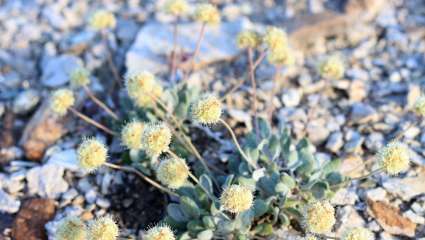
25 101
347 217
47 181
66 159
316 130
357 91
335 142
241 116
103 203
56 70
377 194
352 166
291 97
362 113
390 219
31 218
414 217
375 141
91 196
344 197
406 188
395 77
8 204
70 194
414 92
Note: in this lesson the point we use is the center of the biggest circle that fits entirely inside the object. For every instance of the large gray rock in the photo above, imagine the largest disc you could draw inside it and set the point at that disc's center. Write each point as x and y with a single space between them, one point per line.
56 70
406 188
155 41
47 181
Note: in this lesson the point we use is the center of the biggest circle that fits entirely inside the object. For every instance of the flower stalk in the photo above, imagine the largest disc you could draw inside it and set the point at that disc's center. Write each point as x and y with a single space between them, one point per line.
92 122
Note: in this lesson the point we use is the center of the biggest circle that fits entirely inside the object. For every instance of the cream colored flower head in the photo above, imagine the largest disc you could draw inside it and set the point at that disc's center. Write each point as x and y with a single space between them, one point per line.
156 138
332 68
103 228
91 154
282 56
162 232
394 158
176 7
102 19
310 237
207 13
79 77
142 88
248 39
71 228
319 217
207 110
275 38
131 135
236 198
419 106
358 233
173 172
61 101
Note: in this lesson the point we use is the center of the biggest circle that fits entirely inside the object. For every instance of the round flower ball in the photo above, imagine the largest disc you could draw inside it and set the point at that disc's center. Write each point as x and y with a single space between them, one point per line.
103 228
394 158
176 7
79 77
319 217
236 198
358 233
91 154
156 138
207 13
102 19
275 38
248 39
281 56
71 228
207 110
131 135
142 88
61 101
159 233
419 106
173 172
332 68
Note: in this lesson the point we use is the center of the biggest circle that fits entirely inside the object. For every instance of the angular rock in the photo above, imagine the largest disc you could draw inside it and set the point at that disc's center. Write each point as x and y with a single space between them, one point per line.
154 42
8 204
47 181
390 219
66 159
406 188
335 142
347 217
352 166
31 218
56 70
25 101
362 113
42 130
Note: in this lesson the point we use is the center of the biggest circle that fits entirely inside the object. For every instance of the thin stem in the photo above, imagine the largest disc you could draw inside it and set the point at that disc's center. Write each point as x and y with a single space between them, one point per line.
92 122
260 58
358 178
141 175
100 103
111 61
173 154
274 91
254 91
235 140
174 51
198 46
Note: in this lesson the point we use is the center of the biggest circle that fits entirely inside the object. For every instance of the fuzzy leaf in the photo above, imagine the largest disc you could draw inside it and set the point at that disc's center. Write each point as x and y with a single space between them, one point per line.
264 229
284 219
331 166
260 208
189 207
319 190
208 221
195 226
176 213
334 178
264 126
206 183
288 180
228 181
205 235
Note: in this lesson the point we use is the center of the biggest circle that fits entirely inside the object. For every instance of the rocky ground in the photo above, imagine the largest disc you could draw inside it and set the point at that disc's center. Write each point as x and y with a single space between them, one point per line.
383 43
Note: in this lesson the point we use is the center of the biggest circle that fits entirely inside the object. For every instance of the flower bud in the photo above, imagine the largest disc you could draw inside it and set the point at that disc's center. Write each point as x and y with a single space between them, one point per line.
332 68
142 88
61 101
275 38
281 56
163 232
319 217
207 110
248 39
156 139
71 228
394 158
102 19
91 154
358 233
207 13
103 228
79 77
131 135
173 172
236 198
176 7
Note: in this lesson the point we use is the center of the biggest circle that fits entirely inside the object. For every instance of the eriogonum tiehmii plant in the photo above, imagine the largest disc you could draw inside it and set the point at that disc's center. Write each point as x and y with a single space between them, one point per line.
270 181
